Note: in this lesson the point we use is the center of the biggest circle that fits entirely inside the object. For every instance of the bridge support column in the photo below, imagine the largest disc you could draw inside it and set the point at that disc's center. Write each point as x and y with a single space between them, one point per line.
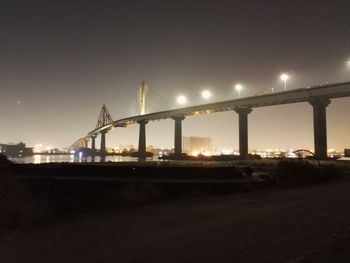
142 138
178 134
320 126
86 143
93 142
243 131
103 150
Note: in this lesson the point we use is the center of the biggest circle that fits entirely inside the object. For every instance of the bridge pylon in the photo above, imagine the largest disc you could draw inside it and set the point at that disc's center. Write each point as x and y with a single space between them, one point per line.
104 118
143 91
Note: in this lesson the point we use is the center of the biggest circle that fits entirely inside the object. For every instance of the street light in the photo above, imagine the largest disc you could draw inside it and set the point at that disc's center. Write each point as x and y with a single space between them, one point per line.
181 100
206 94
284 77
238 88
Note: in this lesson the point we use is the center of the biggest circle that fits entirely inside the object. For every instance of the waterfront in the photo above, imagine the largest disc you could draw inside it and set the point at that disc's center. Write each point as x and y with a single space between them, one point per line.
39 159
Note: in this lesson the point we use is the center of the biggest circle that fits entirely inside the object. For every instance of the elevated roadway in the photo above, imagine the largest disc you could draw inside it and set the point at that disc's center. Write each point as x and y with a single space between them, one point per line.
318 96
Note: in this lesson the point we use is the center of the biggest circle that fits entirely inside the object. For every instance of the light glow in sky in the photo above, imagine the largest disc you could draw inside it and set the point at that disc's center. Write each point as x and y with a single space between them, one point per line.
60 61
181 99
284 77
206 94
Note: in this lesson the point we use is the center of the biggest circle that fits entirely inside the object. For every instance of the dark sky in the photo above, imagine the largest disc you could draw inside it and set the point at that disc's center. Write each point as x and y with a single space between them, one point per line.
61 60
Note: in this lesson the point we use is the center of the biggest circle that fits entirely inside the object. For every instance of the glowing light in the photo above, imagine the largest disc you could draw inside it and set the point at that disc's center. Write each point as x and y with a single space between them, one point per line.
37 159
37 148
195 153
284 77
207 153
238 88
181 100
292 155
227 151
206 94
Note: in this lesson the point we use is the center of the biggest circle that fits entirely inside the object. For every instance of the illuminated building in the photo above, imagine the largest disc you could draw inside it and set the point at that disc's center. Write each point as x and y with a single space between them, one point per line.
195 145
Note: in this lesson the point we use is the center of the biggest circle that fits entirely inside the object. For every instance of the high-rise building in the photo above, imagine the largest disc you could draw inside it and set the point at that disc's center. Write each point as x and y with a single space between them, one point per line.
195 145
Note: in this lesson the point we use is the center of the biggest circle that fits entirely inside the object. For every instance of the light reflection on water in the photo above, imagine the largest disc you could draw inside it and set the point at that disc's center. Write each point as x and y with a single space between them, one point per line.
37 159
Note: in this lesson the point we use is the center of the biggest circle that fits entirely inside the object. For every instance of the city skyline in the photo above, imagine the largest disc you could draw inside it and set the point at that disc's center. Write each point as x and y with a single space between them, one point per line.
55 76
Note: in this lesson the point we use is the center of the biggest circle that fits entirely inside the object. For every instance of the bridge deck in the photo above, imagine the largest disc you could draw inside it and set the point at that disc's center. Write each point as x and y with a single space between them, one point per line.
330 91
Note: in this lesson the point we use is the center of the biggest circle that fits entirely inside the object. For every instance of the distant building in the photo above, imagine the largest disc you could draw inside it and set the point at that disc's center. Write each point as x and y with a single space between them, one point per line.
15 150
347 152
123 148
195 145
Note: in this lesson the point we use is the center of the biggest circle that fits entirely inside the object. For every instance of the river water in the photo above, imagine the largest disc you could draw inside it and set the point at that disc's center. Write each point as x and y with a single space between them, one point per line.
37 159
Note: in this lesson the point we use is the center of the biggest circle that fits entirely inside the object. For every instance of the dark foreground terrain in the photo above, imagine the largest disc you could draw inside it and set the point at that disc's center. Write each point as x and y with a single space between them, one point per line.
304 224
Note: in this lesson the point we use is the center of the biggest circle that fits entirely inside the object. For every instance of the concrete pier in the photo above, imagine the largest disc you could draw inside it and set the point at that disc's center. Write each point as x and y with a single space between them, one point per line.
319 106
93 142
86 143
142 138
178 134
103 150
243 130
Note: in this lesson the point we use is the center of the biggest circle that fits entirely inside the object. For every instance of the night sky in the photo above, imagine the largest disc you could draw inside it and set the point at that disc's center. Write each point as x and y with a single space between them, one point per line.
61 60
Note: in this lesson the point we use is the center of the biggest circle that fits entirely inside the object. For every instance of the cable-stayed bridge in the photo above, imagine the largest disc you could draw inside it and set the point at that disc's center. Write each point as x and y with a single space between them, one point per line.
319 97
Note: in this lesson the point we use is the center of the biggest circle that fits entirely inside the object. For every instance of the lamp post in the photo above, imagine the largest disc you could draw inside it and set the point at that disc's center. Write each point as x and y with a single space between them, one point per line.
284 77
238 88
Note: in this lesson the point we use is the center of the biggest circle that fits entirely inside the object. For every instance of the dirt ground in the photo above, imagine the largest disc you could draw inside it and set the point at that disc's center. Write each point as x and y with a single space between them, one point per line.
300 224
